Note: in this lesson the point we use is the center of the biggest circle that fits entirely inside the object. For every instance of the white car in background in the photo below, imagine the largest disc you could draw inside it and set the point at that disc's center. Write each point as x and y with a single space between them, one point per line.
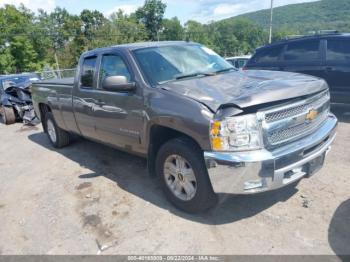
238 61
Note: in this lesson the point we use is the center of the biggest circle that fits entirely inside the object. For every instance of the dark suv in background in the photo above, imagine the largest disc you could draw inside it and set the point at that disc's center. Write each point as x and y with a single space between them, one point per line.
323 55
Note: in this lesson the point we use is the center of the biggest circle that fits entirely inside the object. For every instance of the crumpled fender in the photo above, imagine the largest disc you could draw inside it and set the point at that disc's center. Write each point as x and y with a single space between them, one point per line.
5 101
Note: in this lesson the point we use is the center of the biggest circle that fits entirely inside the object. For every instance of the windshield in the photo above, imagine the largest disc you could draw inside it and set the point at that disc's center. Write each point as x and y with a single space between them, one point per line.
171 63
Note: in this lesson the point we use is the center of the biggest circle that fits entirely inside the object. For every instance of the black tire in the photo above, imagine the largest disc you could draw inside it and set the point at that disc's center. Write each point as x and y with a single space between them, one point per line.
204 197
62 136
8 115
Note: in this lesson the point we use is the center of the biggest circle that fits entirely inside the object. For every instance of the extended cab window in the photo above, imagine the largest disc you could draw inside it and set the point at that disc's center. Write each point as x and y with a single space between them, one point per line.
88 72
269 55
113 65
338 50
302 51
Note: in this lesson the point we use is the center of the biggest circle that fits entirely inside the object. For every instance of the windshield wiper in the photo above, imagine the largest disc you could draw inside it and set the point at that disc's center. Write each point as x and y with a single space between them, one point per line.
194 75
225 70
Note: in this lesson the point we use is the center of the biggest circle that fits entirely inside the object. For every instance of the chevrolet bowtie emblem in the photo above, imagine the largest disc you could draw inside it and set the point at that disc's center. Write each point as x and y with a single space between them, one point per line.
311 115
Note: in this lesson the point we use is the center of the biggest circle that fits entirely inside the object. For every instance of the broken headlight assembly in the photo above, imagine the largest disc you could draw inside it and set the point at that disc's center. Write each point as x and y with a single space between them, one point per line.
239 133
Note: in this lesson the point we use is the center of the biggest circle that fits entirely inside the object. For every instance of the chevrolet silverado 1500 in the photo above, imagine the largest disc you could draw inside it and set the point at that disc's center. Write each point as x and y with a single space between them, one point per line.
204 127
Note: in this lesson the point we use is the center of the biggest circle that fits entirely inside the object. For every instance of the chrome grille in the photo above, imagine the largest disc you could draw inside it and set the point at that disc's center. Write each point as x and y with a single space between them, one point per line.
284 135
289 122
315 102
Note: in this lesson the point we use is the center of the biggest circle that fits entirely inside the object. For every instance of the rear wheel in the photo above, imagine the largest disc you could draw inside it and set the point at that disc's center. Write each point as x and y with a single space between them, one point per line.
57 136
183 175
8 115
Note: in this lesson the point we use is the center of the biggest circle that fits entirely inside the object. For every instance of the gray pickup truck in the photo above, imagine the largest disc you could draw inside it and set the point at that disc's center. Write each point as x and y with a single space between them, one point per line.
204 127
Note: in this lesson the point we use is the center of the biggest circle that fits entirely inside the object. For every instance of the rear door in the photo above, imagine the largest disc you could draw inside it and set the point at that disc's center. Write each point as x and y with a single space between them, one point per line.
304 57
267 59
84 95
337 69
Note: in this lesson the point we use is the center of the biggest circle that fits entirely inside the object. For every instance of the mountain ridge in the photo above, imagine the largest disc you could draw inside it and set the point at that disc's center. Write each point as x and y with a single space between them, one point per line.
305 17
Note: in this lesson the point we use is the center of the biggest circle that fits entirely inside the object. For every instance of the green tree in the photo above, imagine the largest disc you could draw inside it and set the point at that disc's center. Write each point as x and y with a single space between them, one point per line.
6 61
282 33
29 41
24 55
57 26
18 50
92 21
151 15
127 29
236 37
56 30
197 32
76 44
172 29
40 37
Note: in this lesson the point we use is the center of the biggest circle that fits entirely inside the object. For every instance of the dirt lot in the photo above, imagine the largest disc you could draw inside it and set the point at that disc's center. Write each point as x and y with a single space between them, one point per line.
89 199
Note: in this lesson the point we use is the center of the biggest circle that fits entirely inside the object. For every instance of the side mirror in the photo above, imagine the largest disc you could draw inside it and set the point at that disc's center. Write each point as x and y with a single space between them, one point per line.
118 84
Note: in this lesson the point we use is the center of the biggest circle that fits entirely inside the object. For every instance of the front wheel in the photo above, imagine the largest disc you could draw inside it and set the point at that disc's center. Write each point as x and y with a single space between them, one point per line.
57 136
183 175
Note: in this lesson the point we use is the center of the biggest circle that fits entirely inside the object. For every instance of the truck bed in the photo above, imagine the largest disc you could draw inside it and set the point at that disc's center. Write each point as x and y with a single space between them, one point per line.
57 93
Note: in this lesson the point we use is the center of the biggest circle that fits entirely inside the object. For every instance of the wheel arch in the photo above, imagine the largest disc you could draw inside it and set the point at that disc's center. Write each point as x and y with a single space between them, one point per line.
43 109
159 135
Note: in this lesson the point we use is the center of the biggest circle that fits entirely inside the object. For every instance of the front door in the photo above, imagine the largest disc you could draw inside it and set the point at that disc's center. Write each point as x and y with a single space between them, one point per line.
118 115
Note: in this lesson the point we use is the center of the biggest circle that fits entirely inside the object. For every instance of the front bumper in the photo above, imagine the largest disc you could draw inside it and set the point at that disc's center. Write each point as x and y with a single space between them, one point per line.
262 170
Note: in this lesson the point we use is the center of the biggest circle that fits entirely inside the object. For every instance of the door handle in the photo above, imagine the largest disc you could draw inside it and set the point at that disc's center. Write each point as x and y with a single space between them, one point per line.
93 102
329 69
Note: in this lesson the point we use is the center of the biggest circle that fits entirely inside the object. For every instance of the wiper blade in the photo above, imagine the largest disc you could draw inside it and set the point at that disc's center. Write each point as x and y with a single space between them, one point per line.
194 75
188 76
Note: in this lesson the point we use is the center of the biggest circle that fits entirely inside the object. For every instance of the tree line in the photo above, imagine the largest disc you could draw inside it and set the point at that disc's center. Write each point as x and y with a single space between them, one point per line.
34 41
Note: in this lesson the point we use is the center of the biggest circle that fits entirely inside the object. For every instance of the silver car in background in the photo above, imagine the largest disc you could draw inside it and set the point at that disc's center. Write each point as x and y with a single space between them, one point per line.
238 61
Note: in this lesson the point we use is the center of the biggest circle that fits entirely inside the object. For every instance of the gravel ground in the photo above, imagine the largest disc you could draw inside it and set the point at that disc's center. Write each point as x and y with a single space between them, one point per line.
91 199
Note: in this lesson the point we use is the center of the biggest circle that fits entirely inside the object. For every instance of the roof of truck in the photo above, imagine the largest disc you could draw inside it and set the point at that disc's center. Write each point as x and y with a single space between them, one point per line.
151 44
139 45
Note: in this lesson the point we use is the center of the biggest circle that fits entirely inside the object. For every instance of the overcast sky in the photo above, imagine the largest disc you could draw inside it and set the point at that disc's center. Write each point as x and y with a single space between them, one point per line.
200 10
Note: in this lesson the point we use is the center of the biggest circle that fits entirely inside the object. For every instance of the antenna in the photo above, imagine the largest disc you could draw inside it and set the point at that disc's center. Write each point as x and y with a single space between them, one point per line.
271 17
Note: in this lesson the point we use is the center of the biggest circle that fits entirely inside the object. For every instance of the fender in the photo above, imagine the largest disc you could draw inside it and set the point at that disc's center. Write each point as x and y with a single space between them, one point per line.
5 100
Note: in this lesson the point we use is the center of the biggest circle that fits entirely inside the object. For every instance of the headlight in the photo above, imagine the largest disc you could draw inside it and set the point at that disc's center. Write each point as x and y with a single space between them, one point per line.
236 133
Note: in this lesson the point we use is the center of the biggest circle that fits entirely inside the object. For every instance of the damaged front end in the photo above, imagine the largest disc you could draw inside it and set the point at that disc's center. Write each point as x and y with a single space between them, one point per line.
269 147
16 101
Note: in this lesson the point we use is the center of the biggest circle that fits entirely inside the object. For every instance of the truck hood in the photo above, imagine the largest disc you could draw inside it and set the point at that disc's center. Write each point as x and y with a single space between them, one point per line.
246 88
